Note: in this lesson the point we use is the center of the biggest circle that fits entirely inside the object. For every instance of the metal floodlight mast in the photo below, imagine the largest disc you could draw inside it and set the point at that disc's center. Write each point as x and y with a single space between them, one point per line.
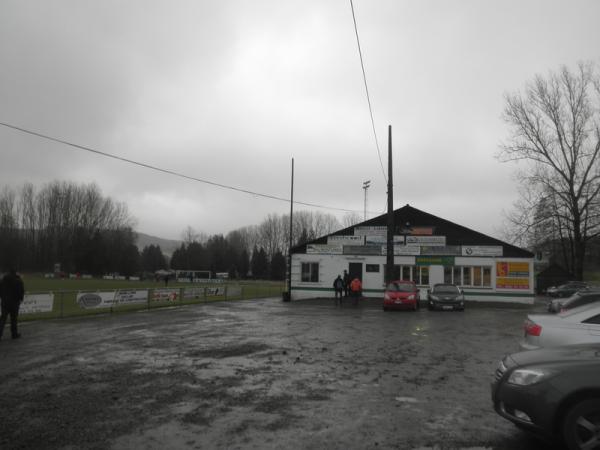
366 186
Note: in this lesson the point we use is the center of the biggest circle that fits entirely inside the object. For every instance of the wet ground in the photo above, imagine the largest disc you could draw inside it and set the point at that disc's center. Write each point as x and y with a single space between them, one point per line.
260 374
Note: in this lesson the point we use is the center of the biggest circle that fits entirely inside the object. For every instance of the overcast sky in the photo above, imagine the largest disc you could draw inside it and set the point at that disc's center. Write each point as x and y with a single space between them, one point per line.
231 91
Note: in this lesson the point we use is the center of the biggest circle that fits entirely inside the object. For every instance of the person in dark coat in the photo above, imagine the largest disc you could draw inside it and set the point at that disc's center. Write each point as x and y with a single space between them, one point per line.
338 286
12 292
346 283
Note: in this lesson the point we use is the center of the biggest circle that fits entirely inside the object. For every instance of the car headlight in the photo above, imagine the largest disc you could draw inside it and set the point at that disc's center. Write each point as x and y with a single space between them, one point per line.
411 297
525 377
434 297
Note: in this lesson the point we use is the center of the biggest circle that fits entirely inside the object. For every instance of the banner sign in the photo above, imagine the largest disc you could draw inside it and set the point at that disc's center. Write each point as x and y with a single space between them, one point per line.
512 283
324 249
434 260
482 250
426 240
441 250
512 269
403 250
370 231
512 275
37 303
215 291
193 293
382 240
421 231
362 250
131 296
345 240
165 295
92 300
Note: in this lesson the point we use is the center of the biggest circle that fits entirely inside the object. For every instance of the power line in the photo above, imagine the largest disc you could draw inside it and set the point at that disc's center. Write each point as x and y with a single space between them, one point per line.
167 171
362 65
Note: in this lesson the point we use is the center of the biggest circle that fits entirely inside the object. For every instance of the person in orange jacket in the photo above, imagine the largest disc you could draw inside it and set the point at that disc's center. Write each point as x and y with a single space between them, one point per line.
356 290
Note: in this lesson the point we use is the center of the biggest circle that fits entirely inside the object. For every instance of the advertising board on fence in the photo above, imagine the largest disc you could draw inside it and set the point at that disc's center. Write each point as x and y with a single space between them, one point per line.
165 295
193 293
131 296
215 291
37 303
91 300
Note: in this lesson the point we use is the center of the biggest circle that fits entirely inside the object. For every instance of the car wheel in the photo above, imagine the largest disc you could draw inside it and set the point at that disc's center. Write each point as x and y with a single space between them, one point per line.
581 426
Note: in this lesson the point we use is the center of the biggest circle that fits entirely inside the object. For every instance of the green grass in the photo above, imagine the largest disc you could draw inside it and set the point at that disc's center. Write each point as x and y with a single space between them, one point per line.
65 293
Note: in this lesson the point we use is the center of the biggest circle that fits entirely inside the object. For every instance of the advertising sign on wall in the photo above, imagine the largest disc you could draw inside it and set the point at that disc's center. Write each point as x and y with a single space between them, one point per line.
346 240
324 249
37 303
362 250
370 231
403 250
440 250
434 260
426 240
482 250
512 275
382 240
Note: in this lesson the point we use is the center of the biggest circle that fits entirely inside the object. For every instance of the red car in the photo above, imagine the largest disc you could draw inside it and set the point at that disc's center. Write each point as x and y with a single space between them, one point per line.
401 294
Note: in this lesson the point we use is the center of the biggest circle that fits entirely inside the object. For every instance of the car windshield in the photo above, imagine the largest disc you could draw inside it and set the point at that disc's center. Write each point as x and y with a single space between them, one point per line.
445 289
401 287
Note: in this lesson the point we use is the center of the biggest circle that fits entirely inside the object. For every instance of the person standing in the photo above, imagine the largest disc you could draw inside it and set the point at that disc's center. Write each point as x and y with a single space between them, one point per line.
338 286
346 283
356 289
12 292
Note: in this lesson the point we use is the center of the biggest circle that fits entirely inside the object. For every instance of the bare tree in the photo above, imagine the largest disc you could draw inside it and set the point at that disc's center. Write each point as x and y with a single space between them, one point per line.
350 219
555 129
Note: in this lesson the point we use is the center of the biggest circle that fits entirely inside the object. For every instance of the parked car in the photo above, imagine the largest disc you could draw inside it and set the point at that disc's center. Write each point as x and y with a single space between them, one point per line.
445 296
575 326
580 298
566 290
554 392
401 294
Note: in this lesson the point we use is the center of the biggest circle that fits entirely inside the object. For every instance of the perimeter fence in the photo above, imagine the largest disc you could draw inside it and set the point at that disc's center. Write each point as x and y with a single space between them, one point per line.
72 303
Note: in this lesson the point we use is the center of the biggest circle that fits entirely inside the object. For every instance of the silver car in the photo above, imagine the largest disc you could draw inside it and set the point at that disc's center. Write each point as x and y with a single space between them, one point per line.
575 326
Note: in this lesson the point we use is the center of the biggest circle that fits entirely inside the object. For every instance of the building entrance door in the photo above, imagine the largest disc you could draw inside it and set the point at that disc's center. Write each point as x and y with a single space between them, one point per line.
355 270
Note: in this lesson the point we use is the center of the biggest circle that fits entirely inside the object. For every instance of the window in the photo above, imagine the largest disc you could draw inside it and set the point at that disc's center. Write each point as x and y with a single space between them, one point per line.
406 275
457 275
423 275
447 274
466 276
372 268
310 272
478 276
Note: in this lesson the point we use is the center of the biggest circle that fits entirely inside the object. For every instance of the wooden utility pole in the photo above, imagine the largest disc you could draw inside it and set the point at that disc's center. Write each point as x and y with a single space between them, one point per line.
389 269
288 297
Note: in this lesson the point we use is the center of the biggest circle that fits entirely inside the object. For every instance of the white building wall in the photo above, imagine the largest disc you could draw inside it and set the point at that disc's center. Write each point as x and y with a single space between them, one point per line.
330 266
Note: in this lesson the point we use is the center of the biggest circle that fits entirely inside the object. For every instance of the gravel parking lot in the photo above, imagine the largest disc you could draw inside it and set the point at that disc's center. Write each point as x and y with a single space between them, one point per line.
261 374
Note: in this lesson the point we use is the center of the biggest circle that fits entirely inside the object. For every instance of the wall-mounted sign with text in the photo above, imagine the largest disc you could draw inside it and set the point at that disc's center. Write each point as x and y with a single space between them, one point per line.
434 260
324 249
382 240
426 240
482 250
403 250
370 231
345 240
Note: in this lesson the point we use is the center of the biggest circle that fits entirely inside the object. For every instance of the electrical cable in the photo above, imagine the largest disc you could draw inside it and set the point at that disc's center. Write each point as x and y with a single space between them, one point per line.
167 171
362 65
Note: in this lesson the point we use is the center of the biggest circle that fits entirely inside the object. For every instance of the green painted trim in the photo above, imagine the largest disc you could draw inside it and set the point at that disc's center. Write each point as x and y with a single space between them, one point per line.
467 294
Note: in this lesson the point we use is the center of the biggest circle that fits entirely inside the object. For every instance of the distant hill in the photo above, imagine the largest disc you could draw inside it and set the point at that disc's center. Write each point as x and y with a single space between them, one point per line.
168 246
